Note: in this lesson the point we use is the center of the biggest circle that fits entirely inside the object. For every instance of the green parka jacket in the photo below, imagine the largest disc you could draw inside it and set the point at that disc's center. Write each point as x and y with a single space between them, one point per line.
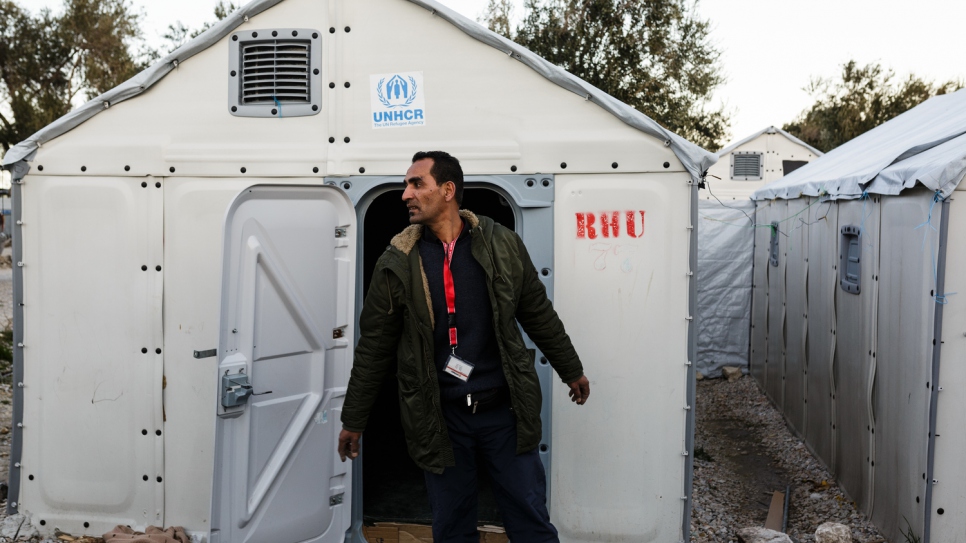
397 322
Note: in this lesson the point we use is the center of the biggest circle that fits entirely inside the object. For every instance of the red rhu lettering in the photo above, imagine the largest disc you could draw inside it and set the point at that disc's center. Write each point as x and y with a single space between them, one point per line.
632 224
610 225
585 226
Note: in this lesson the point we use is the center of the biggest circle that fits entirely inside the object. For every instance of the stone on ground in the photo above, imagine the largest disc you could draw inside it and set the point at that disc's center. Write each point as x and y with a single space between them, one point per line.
833 532
731 373
698 376
762 535
17 526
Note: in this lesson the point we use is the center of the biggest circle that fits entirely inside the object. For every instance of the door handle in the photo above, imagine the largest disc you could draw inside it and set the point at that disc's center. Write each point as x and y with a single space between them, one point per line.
235 390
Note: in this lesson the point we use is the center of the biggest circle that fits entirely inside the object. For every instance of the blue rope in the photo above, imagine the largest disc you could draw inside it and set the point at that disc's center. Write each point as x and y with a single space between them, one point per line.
279 106
940 298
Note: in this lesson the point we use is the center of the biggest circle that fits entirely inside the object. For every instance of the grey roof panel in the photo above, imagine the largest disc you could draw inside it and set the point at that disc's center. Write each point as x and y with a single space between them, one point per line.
923 145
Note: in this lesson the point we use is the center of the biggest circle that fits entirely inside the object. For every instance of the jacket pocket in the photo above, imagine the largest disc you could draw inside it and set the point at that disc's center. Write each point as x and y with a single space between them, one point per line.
413 411
524 361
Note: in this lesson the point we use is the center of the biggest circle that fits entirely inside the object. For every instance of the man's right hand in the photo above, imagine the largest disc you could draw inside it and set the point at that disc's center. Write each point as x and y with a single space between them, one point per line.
349 444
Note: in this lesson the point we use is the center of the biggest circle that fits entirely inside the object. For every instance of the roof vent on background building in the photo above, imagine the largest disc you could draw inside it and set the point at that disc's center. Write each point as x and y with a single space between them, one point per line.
746 166
275 73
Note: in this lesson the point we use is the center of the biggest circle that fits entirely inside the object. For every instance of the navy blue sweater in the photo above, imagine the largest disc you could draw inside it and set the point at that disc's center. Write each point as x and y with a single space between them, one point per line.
474 314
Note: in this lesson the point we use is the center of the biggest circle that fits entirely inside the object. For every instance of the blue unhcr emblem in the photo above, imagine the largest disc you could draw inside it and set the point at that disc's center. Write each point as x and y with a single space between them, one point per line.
397 92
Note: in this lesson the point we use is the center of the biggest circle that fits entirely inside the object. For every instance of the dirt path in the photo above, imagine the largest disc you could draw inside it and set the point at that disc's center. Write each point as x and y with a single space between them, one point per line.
743 453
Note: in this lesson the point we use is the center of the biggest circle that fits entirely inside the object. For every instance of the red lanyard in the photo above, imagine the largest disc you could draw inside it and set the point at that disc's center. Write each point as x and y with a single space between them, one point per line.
448 249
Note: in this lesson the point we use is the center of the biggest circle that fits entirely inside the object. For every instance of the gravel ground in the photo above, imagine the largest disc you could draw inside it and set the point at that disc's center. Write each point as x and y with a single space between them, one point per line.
743 453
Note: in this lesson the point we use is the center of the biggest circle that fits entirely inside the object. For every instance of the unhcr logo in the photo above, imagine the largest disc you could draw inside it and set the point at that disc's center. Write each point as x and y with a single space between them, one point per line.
397 100
399 92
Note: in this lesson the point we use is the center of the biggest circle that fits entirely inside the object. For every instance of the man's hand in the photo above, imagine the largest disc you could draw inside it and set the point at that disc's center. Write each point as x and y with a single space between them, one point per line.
579 390
349 444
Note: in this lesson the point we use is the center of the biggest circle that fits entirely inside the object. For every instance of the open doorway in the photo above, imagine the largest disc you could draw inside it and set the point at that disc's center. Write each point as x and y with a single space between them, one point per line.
393 486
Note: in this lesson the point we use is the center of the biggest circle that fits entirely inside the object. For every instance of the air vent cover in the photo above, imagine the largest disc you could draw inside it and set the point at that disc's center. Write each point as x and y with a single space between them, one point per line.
746 166
275 73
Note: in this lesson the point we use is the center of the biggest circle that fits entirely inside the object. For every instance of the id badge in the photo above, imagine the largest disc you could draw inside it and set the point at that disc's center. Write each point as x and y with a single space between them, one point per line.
459 368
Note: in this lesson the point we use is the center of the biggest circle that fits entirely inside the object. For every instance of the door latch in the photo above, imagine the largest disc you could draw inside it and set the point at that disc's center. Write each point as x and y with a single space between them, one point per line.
235 390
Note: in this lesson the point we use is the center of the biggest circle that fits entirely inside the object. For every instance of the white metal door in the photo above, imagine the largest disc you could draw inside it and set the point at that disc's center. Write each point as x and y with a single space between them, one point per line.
284 358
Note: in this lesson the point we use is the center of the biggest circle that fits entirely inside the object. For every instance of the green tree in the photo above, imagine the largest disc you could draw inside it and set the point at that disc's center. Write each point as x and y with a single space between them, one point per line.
865 97
47 61
178 34
654 55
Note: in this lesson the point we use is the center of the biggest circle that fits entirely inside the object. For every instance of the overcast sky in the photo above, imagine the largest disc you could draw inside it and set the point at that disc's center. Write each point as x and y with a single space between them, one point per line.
771 48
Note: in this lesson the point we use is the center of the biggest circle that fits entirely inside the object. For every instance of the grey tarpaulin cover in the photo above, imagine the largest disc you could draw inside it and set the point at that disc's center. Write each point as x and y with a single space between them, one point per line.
726 243
695 159
925 145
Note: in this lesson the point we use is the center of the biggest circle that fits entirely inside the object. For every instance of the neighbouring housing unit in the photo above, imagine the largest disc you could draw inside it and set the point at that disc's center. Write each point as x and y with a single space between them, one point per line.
726 243
858 333
192 249
755 161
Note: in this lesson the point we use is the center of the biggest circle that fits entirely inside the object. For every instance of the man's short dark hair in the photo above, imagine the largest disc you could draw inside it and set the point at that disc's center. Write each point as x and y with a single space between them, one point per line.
445 168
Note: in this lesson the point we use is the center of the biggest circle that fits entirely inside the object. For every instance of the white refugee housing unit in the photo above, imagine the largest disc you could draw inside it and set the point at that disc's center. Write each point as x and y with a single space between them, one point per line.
193 247
726 244
858 333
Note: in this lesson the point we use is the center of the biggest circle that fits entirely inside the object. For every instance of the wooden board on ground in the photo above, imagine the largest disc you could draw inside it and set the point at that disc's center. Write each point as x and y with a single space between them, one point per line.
776 512
391 532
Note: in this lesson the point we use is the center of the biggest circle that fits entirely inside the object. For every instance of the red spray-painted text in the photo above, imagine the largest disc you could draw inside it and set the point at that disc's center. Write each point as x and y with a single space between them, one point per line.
610 224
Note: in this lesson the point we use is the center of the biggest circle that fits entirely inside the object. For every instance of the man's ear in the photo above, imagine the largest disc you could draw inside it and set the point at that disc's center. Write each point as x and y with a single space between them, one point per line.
449 190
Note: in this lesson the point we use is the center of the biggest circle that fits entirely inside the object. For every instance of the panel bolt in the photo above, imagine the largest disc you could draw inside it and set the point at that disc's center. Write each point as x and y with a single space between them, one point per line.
20 223
20 264
17 465
20 384
20 345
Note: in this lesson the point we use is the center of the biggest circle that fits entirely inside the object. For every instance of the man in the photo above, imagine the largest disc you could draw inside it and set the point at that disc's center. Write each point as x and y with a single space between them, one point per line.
444 300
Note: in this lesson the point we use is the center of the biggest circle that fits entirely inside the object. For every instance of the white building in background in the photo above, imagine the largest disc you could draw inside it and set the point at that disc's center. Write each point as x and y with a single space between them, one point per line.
755 161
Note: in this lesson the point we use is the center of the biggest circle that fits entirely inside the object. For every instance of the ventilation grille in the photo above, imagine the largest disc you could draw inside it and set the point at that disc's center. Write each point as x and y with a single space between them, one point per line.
275 71
747 165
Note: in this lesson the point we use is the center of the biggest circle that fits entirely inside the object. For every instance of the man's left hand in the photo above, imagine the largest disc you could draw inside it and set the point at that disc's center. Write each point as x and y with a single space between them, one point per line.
580 390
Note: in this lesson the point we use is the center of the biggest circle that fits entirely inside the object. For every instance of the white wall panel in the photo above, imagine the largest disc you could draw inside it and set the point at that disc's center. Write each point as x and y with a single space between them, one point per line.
759 297
854 365
93 428
624 301
775 363
194 223
822 290
949 494
903 359
796 309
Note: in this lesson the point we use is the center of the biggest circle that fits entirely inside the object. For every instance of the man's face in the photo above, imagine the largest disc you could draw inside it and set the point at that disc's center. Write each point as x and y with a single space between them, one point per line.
424 197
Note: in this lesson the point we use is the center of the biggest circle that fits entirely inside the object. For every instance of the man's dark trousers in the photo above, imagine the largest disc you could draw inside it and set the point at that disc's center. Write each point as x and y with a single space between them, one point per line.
519 481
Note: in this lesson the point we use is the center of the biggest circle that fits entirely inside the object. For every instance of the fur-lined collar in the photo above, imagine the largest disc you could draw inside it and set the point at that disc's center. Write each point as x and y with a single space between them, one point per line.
406 240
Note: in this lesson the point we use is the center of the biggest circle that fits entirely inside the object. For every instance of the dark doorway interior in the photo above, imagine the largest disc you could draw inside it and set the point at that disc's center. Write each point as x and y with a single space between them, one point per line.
393 486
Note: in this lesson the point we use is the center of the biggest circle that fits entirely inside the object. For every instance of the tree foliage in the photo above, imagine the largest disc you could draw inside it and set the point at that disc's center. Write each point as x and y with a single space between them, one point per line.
652 54
178 33
864 97
47 61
